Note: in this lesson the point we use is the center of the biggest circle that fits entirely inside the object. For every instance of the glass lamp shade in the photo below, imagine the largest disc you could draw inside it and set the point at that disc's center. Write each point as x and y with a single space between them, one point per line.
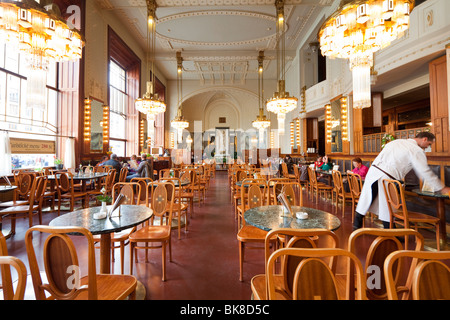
150 105
179 124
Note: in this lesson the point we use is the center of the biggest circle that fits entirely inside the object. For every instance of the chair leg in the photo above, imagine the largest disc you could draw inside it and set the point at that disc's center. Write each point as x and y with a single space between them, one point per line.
132 244
122 256
438 242
163 261
241 261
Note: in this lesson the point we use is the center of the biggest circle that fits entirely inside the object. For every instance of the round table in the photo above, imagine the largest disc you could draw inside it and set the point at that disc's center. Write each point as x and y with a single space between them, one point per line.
440 211
274 217
175 182
7 188
131 216
78 177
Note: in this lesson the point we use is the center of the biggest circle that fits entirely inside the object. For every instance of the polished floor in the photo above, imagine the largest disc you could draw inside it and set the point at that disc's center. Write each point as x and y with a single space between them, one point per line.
205 261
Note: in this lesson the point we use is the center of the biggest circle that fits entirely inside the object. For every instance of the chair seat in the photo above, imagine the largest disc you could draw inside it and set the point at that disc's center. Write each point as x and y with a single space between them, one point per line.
111 287
13 203
258 284
75 195
419 217
151 232
117 236
18 209
250 233
178 206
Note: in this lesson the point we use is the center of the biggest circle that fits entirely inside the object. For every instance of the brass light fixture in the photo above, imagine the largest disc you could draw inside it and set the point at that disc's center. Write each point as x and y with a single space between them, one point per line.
179 123
261 123
281 103
357 30
150 104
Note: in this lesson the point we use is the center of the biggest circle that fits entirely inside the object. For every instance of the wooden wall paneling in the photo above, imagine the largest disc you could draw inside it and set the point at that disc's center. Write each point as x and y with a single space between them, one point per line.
133 122
357 131
439 105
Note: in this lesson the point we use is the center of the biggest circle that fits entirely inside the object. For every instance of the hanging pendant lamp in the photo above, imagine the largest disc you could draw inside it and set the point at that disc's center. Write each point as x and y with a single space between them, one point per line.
261 123
179 123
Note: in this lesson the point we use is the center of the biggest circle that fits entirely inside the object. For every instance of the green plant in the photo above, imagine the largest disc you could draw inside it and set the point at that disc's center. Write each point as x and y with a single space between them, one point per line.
58 161
386 139
104 198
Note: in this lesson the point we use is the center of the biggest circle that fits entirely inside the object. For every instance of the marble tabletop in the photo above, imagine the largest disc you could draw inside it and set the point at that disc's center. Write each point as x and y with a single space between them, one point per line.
273 217
431 194
83 176
6 188
131 215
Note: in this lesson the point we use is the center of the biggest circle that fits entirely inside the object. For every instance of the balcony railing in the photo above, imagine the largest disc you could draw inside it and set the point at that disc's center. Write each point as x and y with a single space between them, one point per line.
372 142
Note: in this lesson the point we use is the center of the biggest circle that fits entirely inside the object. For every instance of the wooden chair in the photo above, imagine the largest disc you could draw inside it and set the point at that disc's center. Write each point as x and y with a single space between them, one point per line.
187 194
123 174
108 185
6 262
60 256
339 190
34 206
292 190
132 191
271 196
429 275
401 215
285 172
66 191
355 186
162 204
23 181
380 243
145 184
298 177
244 204
313 278
250 234
179 207
197 187
316 186
284 279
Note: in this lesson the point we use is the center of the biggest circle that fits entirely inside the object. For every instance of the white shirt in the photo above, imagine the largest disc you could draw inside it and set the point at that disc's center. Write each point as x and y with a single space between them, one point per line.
401 156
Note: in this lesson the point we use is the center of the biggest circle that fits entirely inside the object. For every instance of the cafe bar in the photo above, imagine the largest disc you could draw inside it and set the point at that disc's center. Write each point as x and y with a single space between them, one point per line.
147 146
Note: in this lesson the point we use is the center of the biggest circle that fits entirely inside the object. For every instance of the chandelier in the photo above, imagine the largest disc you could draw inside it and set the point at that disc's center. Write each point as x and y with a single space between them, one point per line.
40 33
261 123
357 30
179 123
150 104
281 103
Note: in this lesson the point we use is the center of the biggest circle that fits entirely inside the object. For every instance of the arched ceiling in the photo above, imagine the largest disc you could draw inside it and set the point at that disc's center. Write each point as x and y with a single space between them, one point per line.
219 39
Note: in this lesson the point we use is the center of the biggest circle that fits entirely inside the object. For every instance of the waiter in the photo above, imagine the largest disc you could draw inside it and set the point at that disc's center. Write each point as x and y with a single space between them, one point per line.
394 162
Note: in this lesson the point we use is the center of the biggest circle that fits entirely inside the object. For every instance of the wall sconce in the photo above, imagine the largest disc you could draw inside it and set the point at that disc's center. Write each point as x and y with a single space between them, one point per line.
298 135
344 119
292 134
272 140
141 134
106 124
172 140
328 122
87 119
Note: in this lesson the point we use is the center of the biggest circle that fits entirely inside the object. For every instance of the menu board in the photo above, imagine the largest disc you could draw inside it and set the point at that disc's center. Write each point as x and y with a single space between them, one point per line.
29 146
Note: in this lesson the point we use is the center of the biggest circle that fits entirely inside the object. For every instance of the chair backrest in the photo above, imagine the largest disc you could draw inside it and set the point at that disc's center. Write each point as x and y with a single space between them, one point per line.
430 276
337 181
255 196
355 185
292 190
312 176
123 174
41 185
24 183
395 196
5 268
284 170
296 172
64 182
62 268
299 238
110 179
241 175
383 243
163 197
145 194
314 279
131 190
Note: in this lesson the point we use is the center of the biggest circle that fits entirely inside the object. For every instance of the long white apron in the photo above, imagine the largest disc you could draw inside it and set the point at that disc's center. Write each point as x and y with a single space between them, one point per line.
379 205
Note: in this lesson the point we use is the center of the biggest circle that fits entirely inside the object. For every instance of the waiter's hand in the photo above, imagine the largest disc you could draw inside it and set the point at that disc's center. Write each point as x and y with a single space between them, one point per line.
446 190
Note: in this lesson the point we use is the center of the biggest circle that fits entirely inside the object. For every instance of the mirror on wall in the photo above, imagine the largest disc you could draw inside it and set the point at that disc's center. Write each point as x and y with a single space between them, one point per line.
336 127
96 125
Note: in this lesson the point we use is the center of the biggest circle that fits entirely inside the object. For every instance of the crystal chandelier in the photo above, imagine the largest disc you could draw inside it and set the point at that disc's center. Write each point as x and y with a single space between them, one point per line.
40 33
281 103
261 123
150 104
179 123
357 30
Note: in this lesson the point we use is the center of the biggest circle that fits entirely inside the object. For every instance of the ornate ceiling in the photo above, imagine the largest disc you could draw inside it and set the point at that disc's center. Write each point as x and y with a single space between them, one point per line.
219 39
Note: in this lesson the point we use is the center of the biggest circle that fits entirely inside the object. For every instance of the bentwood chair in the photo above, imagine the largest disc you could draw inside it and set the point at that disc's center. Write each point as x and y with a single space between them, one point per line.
429 274
163 197
60 256
145 184
339 190
315 186
187 194
355 186
132 192
292 190
66 191
375 245
284 279
313 277
178 207
399 213
6 262
250 234
34 206
285 172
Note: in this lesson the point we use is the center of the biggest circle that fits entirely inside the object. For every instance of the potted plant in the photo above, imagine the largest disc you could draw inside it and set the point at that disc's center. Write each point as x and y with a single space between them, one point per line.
104 199
59 164
386 139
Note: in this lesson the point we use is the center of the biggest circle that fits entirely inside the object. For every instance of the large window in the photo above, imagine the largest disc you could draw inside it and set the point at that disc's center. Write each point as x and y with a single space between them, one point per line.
118 105
15 115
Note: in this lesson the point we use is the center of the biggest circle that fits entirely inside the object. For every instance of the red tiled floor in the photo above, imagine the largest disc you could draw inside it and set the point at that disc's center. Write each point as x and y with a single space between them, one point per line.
205 262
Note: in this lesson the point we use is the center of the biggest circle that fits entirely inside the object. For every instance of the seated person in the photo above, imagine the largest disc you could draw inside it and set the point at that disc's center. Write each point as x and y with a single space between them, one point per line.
327 164
359 168
289 163
319 162
114 162
145 169
102 161
133 164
